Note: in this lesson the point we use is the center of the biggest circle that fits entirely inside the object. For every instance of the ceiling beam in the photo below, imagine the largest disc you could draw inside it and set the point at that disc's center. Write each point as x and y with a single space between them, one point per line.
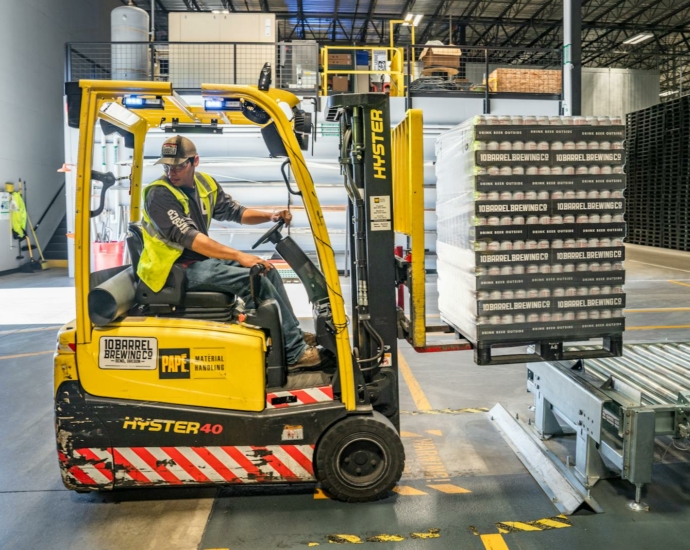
365 26
637 14
440 7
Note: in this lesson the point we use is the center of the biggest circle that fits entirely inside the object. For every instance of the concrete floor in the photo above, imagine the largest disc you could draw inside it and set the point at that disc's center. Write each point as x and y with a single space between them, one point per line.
460 477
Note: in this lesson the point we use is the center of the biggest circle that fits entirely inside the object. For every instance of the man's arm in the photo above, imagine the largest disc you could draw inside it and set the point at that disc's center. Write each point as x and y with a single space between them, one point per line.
213 249
251 216
227 209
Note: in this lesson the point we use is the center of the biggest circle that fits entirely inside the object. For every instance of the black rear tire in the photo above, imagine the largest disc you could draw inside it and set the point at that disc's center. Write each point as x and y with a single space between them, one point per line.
360 459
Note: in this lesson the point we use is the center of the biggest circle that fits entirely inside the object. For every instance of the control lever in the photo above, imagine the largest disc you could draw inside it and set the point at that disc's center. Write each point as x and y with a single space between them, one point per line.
254 283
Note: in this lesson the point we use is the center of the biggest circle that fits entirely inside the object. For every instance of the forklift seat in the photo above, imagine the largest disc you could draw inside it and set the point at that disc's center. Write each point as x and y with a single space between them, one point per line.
174 294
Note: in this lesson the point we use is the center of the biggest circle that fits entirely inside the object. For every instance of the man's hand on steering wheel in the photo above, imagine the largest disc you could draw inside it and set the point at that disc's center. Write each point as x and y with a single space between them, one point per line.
249 260
284 215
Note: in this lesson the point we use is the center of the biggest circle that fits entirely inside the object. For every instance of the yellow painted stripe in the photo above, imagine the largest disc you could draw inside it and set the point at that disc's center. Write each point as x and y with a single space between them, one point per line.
508 526
344 539
385 538
409 434
415 389
450 489
406 491
494 542
546 524
657 309
21 330
657 327
679 283
432 533
2 357
57 263
320 494
554 524
448 411
435 432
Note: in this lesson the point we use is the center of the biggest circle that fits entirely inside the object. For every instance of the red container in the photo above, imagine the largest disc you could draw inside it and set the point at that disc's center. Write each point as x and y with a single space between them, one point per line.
107 255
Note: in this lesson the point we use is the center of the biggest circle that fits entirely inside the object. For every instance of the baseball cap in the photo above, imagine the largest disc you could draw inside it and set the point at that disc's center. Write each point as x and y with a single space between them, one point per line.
176 150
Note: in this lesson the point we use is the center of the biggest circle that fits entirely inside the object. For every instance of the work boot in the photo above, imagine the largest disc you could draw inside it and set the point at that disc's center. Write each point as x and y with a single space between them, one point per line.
308 360
309 338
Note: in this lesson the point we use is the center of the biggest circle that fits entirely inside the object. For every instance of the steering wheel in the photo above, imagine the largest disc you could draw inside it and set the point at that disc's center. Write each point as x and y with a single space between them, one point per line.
272 235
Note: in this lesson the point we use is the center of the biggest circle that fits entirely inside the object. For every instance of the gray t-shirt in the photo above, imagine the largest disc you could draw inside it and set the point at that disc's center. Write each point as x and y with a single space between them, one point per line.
168 216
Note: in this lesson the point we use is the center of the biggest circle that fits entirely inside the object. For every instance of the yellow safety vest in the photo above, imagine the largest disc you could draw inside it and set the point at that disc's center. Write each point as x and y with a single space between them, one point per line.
159 253
18 214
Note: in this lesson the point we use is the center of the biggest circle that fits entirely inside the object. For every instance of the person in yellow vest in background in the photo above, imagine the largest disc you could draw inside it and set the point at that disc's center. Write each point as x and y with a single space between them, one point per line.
178 209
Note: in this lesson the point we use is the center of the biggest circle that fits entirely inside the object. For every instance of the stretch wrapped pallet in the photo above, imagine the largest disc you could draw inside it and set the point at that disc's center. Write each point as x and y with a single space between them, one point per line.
530 228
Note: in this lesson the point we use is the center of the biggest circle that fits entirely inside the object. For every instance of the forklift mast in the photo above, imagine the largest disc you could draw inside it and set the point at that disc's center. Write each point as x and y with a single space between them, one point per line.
366 163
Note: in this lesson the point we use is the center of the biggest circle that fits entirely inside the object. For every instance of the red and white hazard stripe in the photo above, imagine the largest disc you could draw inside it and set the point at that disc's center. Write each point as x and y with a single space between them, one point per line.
90 467
190 465
306 396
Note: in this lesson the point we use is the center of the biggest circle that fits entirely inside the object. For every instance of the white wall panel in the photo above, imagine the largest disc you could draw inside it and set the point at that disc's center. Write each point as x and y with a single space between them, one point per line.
618 91
33 34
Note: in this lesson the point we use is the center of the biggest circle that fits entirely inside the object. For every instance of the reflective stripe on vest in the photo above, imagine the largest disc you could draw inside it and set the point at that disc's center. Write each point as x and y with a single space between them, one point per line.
159 253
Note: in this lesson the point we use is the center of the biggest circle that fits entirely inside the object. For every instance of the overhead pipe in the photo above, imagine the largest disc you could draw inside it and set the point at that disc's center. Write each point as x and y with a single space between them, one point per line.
153 20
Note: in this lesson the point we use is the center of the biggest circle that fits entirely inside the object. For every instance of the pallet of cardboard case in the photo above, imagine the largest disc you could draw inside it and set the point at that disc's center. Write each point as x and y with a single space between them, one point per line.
530 234
532 81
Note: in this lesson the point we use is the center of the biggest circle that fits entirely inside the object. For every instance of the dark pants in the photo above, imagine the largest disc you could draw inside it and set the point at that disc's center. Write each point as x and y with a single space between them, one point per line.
229 276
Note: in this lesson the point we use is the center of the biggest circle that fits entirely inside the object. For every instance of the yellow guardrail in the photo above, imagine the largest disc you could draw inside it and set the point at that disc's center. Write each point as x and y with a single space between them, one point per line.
408 211
396 56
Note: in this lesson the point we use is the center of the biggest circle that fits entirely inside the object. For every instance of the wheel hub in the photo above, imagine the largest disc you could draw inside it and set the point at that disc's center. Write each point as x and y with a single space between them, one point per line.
362 462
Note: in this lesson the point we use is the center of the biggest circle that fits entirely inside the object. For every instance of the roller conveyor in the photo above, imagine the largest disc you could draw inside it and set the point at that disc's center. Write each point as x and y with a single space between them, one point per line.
616 407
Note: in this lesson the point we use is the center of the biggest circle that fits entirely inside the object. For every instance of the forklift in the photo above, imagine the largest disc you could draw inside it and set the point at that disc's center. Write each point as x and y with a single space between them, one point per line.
177 388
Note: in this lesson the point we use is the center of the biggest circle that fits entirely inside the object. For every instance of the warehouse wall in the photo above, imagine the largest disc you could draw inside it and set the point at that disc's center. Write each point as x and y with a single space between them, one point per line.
618 91
33 34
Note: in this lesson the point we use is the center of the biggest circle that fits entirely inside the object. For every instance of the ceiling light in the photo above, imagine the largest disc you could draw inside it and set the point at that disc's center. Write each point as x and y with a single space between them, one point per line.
216 11
637 39
666 94
225 12
412 19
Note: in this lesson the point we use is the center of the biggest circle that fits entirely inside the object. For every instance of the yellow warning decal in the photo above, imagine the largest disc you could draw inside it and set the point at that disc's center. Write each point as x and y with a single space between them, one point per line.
546 524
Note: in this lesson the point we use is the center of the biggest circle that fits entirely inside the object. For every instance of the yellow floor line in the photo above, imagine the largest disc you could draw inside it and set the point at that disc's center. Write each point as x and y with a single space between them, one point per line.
545 524
320 494
657 309
409 434
494 542
657 327
435 432
657 265
450 489
19 331
415 389
406 491
26 354
679 283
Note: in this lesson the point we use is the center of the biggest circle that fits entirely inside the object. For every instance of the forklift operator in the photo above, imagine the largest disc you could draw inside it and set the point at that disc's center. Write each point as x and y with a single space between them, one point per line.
178 209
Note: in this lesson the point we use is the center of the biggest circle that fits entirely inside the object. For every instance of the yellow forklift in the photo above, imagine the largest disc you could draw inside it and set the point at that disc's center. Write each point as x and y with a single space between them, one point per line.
177 388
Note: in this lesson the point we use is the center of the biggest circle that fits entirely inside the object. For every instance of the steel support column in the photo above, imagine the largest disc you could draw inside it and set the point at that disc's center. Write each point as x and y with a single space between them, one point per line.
572 56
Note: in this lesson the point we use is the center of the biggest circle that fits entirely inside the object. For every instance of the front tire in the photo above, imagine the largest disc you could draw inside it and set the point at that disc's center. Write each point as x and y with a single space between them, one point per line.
360 459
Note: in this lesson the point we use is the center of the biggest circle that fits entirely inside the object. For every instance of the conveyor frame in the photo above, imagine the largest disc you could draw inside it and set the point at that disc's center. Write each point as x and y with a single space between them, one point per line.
616 408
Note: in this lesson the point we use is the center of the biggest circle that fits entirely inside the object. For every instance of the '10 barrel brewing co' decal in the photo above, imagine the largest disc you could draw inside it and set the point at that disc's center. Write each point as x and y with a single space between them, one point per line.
127 353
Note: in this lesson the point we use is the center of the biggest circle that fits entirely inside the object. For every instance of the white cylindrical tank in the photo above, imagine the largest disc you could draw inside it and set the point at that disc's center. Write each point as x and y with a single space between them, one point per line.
129 61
